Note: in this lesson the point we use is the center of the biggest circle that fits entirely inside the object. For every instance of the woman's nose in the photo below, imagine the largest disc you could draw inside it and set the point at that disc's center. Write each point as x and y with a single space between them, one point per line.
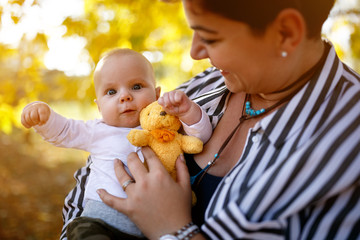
198 50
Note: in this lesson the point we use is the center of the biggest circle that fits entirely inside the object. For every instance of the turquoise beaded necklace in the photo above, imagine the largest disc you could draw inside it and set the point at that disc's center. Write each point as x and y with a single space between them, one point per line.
251 112
247 113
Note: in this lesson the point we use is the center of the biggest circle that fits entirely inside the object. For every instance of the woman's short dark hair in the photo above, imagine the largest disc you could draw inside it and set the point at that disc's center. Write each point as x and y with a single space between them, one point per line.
258 14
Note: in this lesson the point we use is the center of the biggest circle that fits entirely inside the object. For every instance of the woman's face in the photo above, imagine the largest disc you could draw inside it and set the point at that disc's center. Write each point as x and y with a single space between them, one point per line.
246 60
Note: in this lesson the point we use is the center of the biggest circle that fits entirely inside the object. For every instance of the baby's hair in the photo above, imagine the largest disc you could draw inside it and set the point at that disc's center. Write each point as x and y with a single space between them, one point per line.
120 52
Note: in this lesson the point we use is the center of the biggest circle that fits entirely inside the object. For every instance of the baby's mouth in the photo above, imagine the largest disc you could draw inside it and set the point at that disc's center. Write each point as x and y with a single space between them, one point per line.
128 111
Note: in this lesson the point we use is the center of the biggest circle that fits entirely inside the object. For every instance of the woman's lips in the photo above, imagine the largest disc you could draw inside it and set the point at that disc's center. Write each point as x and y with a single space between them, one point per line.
224 73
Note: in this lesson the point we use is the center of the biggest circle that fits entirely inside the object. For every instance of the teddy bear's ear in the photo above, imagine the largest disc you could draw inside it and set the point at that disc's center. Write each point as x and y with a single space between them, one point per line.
145 112
151 118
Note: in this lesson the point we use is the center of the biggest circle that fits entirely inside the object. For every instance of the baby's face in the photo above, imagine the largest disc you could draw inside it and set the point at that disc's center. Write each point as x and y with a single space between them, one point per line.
124 86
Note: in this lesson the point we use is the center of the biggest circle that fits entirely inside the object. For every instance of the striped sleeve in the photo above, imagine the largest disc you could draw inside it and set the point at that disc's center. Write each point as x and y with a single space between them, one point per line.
208 90
202 83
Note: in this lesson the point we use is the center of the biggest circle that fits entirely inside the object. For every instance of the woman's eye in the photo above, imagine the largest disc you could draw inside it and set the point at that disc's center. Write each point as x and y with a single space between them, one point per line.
137 87
208 41
111 92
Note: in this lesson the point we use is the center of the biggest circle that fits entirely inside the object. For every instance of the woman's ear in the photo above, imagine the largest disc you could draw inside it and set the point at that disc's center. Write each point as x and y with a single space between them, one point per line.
291 30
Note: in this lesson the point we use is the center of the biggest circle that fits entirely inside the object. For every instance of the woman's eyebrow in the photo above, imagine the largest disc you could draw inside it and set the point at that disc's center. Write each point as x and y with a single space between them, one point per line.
201 28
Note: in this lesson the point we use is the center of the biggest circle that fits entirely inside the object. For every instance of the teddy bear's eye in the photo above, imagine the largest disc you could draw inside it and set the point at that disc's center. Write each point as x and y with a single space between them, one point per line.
162 113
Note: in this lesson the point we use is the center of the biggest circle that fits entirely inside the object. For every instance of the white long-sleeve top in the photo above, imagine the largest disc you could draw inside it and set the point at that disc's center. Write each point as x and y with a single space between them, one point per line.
105 144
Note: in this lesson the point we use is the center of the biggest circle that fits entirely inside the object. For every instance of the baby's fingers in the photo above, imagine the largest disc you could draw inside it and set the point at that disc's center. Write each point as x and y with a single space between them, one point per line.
35 117
25 120
43 115
165 100
178 97
35 113
29 119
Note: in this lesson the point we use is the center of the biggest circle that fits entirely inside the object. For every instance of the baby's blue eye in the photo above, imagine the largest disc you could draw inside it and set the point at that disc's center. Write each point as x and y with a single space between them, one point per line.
111 92
137 87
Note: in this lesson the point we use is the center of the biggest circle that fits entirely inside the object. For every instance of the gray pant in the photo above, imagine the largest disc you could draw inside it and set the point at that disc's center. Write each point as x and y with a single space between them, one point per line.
85 228
99 210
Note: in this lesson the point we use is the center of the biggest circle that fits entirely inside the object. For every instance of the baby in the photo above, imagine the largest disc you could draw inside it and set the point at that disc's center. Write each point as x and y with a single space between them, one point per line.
124 83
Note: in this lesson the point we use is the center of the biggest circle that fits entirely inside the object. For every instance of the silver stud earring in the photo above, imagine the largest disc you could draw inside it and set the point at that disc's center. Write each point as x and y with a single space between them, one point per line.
284 54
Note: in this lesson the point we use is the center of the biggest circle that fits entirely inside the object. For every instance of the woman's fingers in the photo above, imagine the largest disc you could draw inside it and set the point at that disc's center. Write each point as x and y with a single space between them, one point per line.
123 178
112 201
151 159
155 203
120 171
121 174
136 167
183 177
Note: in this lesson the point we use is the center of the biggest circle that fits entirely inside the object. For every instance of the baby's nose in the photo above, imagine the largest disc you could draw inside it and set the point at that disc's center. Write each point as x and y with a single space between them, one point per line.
125 99
125 96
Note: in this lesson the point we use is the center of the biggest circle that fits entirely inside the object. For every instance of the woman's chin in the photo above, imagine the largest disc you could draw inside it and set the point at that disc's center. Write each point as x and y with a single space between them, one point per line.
233 85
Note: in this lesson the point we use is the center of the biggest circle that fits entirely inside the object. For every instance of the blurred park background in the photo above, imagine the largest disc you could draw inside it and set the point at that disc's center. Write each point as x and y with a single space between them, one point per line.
48 50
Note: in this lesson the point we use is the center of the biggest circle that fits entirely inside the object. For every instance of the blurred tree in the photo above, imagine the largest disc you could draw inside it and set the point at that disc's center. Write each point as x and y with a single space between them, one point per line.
157 29
347 19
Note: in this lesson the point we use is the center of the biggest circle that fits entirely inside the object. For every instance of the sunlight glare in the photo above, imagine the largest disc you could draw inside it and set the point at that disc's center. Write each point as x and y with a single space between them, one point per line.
65 54
68 55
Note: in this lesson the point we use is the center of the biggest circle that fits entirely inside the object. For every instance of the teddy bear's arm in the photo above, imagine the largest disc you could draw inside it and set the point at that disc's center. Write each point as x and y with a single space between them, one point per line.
139 138
190 144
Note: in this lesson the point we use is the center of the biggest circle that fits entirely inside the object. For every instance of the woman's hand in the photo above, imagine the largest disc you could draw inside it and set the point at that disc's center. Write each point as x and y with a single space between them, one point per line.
156 203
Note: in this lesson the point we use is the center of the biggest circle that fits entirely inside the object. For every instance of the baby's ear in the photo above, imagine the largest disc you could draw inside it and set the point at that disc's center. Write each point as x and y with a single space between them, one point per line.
95 101
157 92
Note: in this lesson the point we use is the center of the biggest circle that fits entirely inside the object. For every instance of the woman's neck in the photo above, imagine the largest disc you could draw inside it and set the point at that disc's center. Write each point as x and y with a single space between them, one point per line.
310 55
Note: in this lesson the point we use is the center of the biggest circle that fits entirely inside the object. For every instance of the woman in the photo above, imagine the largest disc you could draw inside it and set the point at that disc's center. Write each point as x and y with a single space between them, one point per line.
289 171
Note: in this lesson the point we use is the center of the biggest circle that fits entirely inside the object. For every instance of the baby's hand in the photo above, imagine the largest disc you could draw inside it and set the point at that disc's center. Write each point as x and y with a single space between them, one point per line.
175 103
35 113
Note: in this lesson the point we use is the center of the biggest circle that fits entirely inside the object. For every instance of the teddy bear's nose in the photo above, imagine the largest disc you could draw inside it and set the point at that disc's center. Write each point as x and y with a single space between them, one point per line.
162 113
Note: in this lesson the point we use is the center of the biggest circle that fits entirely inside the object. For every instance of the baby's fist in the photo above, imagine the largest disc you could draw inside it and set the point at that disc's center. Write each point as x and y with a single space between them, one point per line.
35 113
175 103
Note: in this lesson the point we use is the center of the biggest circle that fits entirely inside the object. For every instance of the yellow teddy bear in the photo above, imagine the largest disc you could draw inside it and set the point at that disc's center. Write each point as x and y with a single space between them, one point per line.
160 133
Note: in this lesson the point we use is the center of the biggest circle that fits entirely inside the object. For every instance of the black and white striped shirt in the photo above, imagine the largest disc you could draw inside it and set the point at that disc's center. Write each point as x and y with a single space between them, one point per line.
299 174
